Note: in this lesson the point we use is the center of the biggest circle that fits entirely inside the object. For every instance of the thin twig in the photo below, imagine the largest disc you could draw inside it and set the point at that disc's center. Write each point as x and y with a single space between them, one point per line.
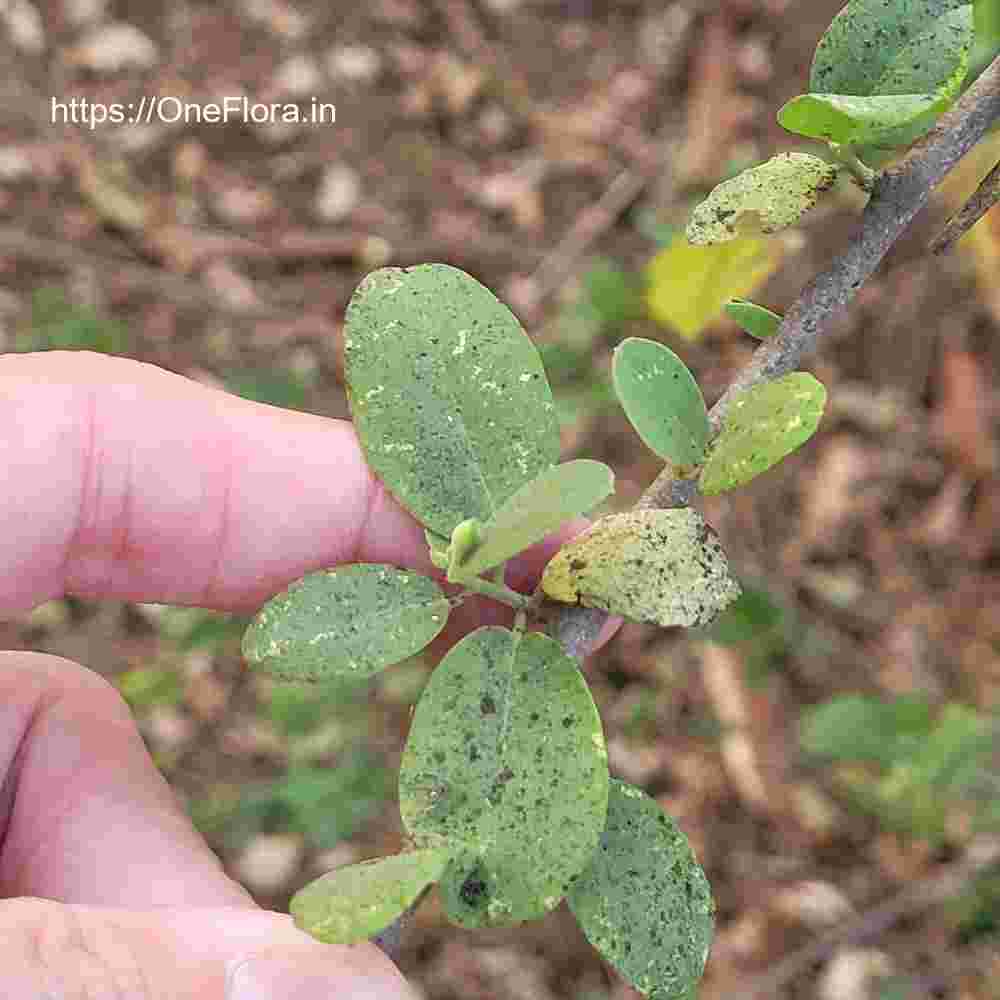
984 198
913 899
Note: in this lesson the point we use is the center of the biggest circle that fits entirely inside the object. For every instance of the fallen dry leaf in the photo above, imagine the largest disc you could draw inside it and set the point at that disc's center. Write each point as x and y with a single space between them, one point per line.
962 423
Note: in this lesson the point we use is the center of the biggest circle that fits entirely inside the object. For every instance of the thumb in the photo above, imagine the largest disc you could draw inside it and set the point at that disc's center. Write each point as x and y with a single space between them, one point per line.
60 951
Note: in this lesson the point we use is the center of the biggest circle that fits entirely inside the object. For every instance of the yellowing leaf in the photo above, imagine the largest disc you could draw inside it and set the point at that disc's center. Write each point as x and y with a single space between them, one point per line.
764 199
661 566
688 286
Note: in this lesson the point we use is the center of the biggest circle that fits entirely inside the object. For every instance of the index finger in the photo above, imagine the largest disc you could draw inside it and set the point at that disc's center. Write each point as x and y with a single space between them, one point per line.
126 481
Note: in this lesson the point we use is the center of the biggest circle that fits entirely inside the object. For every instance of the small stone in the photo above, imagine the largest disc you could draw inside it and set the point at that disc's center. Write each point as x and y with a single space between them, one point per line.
354 63
339 192
15 165
115 47
270 862
24 25
815 904
854 974
244 206
85 13
281 18
168 728
495 124
298 77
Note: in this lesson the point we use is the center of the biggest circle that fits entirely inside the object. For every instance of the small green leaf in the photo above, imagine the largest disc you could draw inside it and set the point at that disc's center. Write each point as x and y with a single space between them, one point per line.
537 509
356 902
756 320
661 400
850 120
764 199
448 393
644 902
506 762
687 286
875 47
464 539
763 425
349 621
660 566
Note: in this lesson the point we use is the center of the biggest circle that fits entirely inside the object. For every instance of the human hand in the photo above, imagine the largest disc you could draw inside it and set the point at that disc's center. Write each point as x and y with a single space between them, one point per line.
127 482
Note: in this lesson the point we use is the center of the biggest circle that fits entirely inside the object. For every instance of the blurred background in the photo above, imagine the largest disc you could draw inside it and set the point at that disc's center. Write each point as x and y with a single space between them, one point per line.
829 744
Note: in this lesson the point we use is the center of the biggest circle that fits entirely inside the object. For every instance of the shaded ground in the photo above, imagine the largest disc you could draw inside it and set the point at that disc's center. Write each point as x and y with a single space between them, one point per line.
476 133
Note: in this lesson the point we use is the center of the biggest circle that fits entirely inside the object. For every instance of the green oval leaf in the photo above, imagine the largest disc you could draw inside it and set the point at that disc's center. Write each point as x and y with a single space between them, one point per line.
537 509
349 621
764 199
763 425
448 393
356 902
660 566
756 320
877 47
859 120
661 400
644 902
506 762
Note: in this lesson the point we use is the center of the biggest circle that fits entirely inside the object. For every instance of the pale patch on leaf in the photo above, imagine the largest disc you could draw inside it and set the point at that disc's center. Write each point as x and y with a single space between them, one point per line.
354 903
350 622
644 902
660 566
687 286
764 199
763 425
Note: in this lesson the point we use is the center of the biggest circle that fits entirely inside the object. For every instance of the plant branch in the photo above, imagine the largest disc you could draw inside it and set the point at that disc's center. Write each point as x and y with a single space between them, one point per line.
897 196
982 200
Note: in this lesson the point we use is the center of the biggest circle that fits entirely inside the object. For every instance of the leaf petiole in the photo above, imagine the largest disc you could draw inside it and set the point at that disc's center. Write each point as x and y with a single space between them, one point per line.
498 591
860 171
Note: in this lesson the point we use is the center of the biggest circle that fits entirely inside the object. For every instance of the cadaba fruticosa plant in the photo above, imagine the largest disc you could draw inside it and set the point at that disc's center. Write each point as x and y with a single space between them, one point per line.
504 788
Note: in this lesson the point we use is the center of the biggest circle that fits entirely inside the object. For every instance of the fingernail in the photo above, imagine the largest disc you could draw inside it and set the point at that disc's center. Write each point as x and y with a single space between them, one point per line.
310 977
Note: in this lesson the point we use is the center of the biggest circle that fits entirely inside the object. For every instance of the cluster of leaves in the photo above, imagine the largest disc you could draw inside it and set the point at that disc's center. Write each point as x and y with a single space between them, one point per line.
882 73
927 763
504 787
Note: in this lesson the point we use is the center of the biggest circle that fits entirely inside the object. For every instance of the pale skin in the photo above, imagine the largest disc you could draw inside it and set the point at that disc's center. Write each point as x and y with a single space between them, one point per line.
122 481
